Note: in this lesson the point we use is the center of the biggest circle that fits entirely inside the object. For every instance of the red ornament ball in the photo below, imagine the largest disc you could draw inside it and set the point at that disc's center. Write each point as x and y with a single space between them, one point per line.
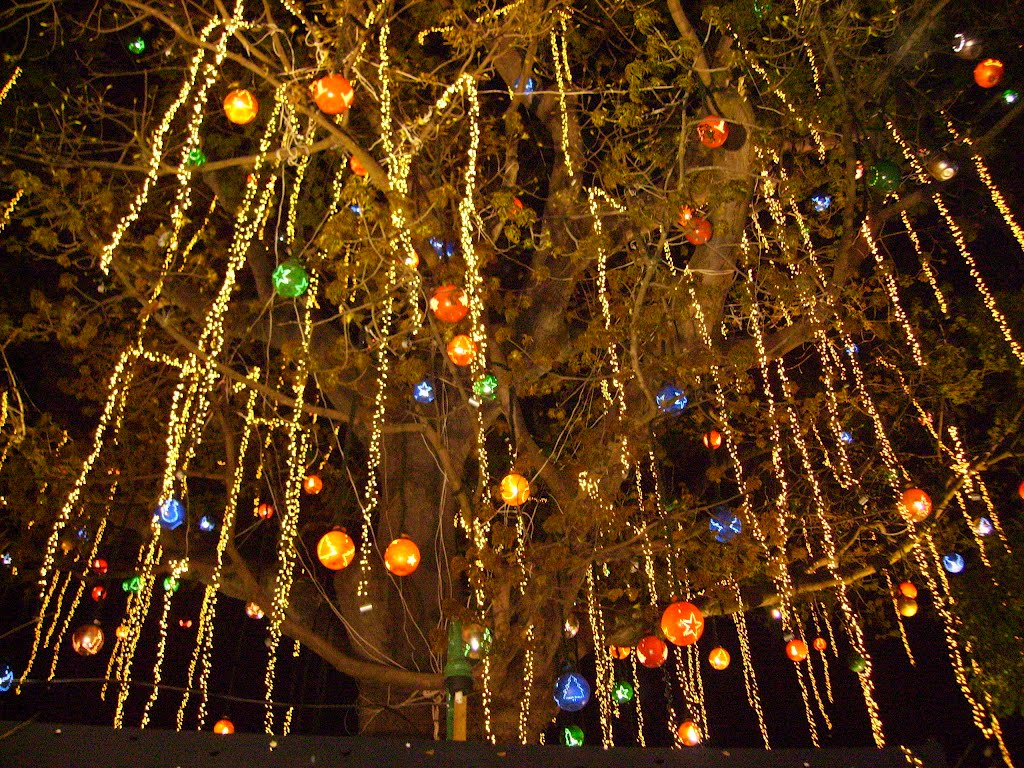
264 511
99 566
908 589
312 485
619 651
99 592
185 623
1020 489
449 304
989 72
651 651
224 727
682 623
357 167
916 505
796 649
402 556
332 94
713 131
461 350
87 640
688 733
820 644
713 439
719 658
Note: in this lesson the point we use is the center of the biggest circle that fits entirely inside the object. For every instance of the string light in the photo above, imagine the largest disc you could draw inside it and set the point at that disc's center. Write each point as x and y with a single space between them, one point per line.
926 266
899 617
9 84
602 662
641 739
528 670
749 677
178 568
7 210
892 289
824 656
563 78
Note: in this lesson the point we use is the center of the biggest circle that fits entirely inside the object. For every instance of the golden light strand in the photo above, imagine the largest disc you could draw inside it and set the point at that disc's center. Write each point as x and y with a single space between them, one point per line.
925 262
826 674
563 78
749 676
899 617
963 468
893 290
602 662
641 739
178 568
9 84
62 588
528 670
5 213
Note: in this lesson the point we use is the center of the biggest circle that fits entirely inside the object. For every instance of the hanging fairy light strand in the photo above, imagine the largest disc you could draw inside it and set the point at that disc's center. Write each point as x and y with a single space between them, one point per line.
749 675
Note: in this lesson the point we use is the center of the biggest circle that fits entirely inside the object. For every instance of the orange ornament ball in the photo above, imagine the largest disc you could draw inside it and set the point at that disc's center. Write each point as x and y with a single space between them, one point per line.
461 350
264 511
99 566
87 640
224 727
357 167
908 590
253 611
332 94
402 556
312 485
713 131
796 649
713 440
989 72
688 733
99 592
241 106
514 489
651 651
700 231
1020 489
907 606
682 623
619 651
449 304
916 505
719 658
335 550
819 644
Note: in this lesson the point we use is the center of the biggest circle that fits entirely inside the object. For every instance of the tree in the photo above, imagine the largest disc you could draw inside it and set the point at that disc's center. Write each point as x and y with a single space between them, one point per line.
551 161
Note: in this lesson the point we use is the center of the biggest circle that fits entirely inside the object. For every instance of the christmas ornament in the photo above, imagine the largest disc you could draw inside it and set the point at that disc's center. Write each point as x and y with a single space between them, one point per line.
6 676
461 350
423 392
137 45
820 644
719 658
121 632
884 176
622 692
941 166
99 566
982 526
402 556
444 249
99 592
241 106
171 514
713 131
682 623
356 166
846 438
477 639
514 489
196 158
796 650
713 440
87 640
207 524
572 692
224 727
290 279
1010 96
312 484
697 229
857 663
916 505
966 46
253 611
571 626
953 562
572 736
651 651
335 550
132 584
821 202
332 94
171 584
906 606
530 87
688 733
264 511
619 651
185 623
1020 490
907 589
670 399
449 304
486 386
988 73
725 525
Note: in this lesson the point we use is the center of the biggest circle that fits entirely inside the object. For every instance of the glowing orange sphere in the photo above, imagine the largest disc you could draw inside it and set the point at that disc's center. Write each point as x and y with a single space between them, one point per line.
241 106
819 644
357 167
916 505
908 589
335 550
264 511
461 350
989 72
1020 489
713 440
796 649
906 606
99 566
99 592
719 658
619 651
253 611
700 231
402 556
713 131
185 623
87 640
121 632
514 489
312 485
224 727
651 651
332 94
688 733
682 623
449 304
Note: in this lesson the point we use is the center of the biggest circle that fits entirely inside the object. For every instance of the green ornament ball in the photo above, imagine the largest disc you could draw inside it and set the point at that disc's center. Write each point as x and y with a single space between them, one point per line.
137 45
884 176
572 736
171 584
132 584
622 692
486 386
290 279
761 8
857 663
196 157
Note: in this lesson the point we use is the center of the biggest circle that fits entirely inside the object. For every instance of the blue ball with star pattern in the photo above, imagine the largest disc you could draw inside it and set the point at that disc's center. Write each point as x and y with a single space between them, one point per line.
725 525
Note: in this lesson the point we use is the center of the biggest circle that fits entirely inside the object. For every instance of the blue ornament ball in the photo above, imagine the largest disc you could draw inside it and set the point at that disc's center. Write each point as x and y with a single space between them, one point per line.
207 524
423 392
670 399
953 562
6 676
572 692
725 525
171 514
821 202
